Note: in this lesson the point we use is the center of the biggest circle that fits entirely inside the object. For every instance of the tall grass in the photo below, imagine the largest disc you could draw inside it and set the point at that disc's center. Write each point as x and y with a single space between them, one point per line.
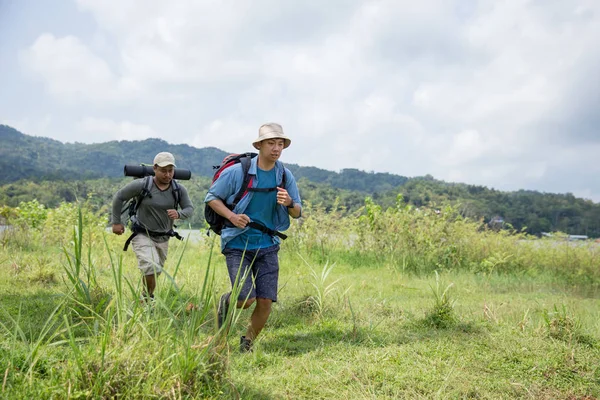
424 240
441 314
322 288
111 344
89 336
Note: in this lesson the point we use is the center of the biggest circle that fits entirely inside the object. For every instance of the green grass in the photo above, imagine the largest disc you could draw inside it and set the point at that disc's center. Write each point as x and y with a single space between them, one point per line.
499 347
350 327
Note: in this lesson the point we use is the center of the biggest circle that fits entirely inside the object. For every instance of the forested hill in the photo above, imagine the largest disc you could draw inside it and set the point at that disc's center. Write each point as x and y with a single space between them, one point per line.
38 158
52 171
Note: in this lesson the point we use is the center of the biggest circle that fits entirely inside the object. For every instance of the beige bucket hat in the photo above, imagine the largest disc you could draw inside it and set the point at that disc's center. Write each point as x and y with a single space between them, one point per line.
272 130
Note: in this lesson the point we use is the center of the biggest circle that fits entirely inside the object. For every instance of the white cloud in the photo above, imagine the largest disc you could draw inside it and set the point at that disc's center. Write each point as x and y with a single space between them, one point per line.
72 72
473 91
466 147
106 130
225 134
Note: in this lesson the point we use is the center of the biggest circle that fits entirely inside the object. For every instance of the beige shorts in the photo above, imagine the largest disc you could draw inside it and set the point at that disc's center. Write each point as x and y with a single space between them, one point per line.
151 255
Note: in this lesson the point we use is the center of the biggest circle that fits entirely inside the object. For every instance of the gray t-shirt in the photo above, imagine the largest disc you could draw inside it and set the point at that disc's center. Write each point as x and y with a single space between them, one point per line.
152 212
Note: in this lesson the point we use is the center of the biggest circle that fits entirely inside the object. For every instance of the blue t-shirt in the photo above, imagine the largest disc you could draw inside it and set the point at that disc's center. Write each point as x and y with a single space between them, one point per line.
261 209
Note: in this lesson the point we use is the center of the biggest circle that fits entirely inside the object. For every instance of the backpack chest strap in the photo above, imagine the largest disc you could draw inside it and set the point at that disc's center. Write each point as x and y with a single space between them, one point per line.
260 227
262 190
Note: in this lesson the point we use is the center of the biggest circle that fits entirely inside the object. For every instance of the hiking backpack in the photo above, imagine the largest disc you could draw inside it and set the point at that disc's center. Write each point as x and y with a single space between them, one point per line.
129 211
215 221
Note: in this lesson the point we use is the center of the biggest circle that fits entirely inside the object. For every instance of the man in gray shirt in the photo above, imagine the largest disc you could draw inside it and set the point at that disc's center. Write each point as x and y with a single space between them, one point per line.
156 213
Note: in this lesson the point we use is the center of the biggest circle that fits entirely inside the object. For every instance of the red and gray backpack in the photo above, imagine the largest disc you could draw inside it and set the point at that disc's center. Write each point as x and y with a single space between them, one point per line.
217 222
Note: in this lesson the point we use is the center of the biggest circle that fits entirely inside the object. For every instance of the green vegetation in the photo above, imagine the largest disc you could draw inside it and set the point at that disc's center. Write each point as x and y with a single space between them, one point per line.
531 211
53 172
396 302
40 159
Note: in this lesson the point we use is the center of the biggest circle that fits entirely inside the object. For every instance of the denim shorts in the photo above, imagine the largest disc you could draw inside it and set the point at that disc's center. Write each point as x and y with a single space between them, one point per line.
260 268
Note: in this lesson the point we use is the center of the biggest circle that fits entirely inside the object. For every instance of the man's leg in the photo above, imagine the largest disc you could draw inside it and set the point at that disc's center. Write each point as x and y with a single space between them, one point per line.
266 274
259 318
150 283
239 270
162 249
151 257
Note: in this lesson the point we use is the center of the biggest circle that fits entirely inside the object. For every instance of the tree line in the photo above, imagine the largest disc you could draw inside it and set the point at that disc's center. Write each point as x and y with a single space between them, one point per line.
532 212
53 172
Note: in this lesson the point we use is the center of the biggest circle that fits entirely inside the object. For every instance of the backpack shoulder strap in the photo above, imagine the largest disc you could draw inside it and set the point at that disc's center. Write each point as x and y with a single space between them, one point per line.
149 180
145 192
176 189
283 178
245 161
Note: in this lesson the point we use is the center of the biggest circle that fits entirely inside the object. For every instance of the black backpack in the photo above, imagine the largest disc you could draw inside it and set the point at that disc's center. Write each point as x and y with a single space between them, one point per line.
129 211
217 222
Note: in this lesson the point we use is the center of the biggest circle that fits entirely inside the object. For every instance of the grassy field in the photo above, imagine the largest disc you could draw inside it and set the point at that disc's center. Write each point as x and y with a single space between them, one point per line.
349 324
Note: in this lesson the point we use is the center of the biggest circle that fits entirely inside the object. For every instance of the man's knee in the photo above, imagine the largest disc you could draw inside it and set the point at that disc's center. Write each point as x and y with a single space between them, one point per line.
245 303
264 304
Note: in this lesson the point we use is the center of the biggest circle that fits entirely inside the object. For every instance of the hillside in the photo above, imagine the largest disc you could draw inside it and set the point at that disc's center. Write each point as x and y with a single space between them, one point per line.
51 171
37 158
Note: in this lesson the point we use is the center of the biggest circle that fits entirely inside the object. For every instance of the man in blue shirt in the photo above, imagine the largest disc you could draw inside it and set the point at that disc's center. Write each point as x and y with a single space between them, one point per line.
250 253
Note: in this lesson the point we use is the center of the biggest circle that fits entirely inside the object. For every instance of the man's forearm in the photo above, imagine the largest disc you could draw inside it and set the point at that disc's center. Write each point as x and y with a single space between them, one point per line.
221 209
116 209
296 211
186 212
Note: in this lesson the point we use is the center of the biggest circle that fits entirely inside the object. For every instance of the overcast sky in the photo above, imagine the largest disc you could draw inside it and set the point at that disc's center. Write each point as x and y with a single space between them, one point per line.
504 94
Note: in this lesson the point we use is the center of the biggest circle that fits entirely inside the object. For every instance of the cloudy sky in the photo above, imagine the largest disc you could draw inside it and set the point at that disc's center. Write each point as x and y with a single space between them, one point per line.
502 93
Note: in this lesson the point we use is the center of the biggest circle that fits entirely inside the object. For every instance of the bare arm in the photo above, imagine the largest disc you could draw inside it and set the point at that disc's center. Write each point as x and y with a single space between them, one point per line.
295 211
239 220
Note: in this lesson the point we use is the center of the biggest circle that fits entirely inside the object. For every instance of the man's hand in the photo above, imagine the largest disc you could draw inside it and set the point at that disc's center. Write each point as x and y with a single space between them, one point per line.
118 229
239 220
173 214
283 197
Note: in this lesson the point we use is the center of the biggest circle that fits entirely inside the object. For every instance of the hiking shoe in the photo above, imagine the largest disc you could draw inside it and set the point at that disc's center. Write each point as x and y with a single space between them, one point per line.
222 309
245 345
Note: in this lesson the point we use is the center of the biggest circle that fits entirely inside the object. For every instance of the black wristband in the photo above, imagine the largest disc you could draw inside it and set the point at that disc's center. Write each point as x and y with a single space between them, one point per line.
291 205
